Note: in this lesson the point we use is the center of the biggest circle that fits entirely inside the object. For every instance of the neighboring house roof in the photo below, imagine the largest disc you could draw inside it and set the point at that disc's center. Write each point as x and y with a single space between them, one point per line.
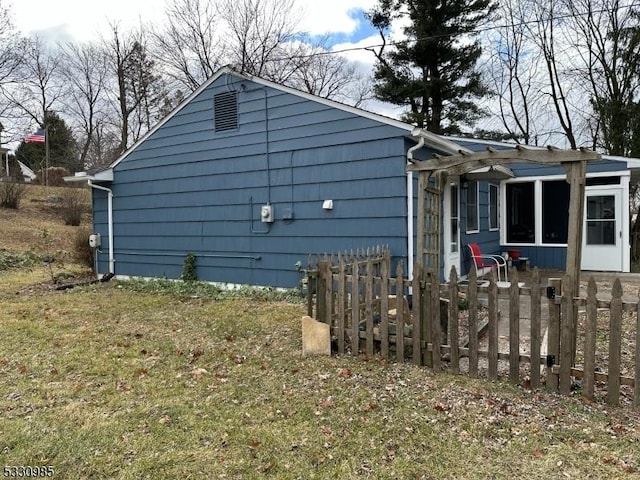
27 173
431 139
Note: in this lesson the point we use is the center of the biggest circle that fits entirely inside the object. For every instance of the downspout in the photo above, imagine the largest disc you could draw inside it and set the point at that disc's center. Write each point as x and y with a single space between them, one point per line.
410 232
109 220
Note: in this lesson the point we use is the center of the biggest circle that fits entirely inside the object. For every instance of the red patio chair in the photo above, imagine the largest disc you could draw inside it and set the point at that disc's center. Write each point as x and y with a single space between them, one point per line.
481 261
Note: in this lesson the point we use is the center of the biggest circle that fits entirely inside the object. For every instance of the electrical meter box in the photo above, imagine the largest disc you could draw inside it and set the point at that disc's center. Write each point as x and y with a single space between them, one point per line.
94 240
266 214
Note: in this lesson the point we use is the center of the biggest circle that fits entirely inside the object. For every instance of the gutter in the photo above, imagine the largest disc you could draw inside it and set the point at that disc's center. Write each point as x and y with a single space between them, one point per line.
110 222
410 231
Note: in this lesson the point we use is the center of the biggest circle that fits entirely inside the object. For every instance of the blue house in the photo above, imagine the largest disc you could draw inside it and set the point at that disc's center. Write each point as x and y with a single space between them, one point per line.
251 177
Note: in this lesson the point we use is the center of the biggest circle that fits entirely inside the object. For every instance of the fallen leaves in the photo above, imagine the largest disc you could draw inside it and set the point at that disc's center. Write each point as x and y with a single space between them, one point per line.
198 372
165 420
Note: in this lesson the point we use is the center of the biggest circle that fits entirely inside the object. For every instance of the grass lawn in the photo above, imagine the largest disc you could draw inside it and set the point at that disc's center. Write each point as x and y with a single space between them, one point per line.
120 382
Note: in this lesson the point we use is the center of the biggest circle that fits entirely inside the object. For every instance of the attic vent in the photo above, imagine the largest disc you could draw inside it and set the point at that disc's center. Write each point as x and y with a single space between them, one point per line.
225 111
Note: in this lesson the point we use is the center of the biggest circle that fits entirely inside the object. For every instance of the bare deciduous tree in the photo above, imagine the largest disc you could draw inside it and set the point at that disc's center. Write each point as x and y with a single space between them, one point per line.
257 30
11 47
319 71
40 88
190 46
608 43
133 81
554 52
84 68
513 74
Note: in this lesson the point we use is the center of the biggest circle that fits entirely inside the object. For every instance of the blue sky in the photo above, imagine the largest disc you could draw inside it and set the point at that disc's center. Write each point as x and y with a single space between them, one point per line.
362 31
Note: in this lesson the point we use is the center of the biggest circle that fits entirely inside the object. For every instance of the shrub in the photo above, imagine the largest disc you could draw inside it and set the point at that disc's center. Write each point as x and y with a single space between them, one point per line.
55 176
11 194
189 273
82 252
72 206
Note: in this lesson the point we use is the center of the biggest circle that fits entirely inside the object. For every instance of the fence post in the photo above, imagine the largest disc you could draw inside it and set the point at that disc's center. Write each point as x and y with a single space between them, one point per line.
384 307
416 312
454 322
567 349
434 319
492 330
342 301
535 329
588 378
514 328
368 307
399 313
426 307
472 301
321 285
355 308
554 290
615 340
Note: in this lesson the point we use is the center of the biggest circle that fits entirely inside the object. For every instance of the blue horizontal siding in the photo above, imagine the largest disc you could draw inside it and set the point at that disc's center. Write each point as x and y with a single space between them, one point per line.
190 189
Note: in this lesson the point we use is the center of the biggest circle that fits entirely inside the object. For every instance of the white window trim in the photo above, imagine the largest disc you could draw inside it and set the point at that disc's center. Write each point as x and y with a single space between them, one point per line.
489 210
477 184
624 174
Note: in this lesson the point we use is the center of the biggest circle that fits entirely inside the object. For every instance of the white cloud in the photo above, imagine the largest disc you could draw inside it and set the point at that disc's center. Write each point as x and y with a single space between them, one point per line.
331 16
85 20
81 19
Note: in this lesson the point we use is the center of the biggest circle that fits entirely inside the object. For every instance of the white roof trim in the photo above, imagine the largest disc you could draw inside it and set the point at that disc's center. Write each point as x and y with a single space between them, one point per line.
431 139
102 176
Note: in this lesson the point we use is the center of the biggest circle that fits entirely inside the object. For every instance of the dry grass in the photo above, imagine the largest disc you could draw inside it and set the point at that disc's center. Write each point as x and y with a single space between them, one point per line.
22 229
111 382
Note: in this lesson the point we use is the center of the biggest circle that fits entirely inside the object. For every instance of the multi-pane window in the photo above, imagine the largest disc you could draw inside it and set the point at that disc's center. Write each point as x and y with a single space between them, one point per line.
453 191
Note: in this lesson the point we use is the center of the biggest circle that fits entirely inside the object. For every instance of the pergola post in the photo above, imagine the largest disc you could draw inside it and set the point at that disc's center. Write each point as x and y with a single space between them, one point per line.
576 177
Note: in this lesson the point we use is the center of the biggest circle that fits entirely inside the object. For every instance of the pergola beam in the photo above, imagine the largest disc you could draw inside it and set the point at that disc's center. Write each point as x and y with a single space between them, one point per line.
467 162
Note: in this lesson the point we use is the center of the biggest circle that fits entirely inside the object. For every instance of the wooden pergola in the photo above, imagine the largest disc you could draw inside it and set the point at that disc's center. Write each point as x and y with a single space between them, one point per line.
432 178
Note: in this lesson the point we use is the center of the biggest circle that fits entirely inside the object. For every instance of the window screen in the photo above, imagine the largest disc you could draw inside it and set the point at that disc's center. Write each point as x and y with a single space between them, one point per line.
520 208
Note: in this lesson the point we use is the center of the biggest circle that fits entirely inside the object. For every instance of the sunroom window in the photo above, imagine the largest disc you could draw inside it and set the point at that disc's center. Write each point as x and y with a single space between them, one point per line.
555 211
521 212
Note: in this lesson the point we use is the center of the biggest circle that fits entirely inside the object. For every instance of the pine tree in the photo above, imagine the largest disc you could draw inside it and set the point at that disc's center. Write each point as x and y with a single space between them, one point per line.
432 71
63 149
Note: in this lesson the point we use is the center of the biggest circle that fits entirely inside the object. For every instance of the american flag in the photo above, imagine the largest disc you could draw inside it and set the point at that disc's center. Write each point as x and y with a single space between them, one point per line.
37 137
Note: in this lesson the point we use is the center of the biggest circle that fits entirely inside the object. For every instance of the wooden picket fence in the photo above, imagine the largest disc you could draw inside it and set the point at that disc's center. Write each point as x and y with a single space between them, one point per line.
371 312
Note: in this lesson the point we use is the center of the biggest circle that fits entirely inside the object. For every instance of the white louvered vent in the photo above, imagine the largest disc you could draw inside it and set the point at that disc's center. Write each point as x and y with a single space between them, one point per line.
225 107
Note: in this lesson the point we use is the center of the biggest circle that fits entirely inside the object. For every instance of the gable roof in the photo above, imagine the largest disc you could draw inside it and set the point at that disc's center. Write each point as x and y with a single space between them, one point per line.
431 139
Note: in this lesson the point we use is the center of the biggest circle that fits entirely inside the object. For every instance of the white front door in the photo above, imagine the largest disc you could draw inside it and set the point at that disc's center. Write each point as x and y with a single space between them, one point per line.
602 234
451 227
